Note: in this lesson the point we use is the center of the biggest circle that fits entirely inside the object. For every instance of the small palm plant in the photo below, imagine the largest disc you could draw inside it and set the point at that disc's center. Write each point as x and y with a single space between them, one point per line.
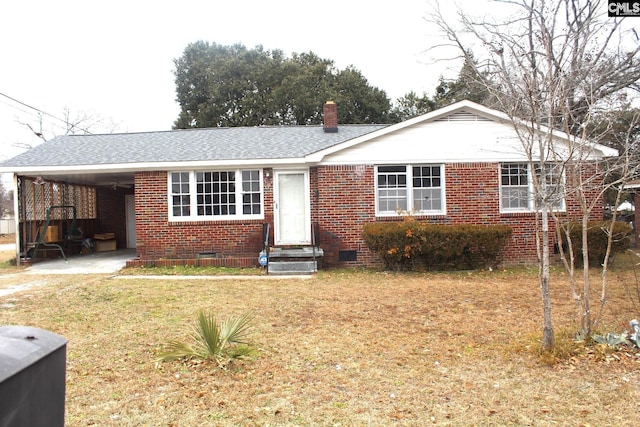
213 340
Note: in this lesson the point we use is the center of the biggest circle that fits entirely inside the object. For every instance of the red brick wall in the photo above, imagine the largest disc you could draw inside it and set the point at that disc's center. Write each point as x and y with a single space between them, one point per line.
582 176
345 201
158 238
342 201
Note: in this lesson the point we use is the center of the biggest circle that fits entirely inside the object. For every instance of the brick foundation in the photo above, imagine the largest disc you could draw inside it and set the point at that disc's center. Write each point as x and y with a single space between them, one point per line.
236 262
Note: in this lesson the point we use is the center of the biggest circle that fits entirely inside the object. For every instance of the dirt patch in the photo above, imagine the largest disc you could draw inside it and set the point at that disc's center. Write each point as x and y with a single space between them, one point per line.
7 238
342 348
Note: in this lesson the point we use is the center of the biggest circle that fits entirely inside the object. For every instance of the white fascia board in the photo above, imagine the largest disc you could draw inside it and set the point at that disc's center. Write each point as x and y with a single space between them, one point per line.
221 163
62 170
145 167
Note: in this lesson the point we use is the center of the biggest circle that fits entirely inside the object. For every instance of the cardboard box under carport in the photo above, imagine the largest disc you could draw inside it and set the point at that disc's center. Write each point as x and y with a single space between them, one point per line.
104 242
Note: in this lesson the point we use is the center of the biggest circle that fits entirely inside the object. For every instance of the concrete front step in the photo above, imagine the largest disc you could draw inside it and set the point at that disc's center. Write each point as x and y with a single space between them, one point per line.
292 267
302 260
304 252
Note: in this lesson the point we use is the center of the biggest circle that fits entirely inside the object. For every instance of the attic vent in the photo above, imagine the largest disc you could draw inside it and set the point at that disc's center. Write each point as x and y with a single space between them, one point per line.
463 116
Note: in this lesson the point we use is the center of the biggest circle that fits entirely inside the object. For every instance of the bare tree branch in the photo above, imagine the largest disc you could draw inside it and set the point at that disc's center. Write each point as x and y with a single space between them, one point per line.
555 66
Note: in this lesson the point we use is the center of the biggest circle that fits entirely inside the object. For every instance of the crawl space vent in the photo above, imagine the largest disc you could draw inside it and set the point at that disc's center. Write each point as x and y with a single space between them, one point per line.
347 256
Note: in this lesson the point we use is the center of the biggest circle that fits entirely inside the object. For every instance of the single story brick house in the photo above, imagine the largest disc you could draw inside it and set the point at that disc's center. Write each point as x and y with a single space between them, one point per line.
219 194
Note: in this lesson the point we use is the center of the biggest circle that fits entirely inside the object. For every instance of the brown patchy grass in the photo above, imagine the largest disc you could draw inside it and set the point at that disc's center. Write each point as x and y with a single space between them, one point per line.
7 238
8 257
344 348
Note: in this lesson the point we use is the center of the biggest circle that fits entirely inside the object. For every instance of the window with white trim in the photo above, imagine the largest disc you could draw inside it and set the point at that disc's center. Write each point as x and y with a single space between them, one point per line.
215 195
517 192
180 198
514 187
409 188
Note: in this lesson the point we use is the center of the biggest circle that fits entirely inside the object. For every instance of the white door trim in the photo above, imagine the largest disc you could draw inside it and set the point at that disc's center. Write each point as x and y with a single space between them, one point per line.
130 209
282 234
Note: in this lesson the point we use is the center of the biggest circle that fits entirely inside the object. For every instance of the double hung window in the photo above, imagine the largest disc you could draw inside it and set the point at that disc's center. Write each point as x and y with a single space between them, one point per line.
409 188
519 191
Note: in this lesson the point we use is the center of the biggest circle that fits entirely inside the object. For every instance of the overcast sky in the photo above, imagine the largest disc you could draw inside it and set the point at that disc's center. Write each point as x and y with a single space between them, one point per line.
113 60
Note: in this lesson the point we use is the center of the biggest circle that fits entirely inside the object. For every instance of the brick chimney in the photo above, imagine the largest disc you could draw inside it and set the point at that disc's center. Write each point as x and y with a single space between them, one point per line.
330 117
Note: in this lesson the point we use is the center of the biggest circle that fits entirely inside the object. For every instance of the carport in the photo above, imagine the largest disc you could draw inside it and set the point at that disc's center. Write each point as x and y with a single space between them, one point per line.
62 215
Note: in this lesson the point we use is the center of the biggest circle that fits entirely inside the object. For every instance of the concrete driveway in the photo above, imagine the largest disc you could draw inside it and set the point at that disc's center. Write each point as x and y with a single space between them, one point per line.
96 263
51 272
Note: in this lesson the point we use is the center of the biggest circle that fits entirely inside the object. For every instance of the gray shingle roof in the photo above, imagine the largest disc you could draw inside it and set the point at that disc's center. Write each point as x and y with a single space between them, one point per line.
233 144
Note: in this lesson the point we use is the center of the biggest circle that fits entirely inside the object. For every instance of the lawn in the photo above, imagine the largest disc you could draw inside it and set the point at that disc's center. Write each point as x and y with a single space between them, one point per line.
343 348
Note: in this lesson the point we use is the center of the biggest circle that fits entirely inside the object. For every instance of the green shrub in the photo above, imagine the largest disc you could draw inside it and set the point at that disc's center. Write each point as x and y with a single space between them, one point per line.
412 244
597 235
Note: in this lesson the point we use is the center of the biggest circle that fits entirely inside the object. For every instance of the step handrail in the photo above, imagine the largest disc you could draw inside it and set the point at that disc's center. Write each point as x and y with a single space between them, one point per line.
266 230
313 246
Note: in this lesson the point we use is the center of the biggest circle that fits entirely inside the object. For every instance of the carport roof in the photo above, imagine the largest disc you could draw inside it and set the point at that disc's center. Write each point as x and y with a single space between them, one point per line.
192 145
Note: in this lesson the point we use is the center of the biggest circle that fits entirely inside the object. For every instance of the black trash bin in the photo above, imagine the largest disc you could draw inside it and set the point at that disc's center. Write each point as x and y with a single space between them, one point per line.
32 377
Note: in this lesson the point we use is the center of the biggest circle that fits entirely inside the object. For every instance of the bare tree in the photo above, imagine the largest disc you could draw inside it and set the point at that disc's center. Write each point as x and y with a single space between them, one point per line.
551 65
69 123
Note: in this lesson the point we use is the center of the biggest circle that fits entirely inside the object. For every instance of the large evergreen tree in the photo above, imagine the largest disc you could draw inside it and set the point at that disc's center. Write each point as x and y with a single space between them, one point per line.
220 85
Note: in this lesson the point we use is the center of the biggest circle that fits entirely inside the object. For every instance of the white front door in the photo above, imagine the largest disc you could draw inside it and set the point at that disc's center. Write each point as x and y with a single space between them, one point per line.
292 216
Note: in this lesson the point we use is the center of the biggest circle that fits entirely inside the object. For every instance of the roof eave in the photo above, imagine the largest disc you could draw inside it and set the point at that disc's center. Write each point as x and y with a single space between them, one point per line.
146 167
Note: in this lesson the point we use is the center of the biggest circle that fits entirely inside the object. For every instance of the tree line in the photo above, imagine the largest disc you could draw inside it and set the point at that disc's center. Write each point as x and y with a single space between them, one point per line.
231 86
228 86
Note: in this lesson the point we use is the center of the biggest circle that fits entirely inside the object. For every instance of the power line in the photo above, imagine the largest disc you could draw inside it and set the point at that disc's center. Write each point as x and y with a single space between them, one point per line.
44 113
